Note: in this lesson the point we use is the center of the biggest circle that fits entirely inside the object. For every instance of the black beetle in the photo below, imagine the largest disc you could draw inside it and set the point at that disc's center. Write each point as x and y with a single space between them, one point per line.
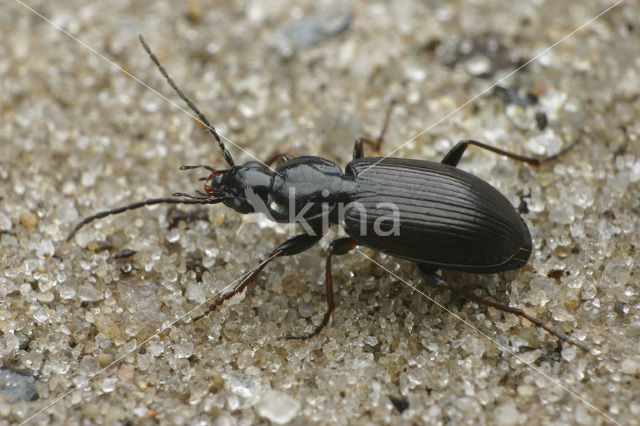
441 217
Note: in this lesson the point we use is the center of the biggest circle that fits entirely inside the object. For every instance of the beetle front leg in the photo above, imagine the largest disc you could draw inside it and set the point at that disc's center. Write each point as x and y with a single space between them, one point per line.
338 247
432 278
292 246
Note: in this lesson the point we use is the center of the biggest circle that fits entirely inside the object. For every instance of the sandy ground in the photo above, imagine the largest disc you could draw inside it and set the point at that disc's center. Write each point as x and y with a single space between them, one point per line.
80 320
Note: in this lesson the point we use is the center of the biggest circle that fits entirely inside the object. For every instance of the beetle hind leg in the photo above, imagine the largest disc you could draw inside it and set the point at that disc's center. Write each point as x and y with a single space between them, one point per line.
338 247
432 278
453 157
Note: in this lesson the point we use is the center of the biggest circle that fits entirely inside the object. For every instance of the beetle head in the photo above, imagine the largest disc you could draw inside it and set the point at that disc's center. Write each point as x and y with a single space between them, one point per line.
244 188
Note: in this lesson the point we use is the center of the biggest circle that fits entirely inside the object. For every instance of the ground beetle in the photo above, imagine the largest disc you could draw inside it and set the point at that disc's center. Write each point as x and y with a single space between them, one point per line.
444 218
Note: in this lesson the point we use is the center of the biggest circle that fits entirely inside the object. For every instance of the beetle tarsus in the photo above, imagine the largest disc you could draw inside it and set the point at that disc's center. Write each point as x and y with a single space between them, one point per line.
337 248
432 278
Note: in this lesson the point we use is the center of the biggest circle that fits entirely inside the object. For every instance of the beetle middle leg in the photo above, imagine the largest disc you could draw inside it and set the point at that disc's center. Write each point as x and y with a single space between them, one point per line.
292 246
336 248
358 150
279 157
432 278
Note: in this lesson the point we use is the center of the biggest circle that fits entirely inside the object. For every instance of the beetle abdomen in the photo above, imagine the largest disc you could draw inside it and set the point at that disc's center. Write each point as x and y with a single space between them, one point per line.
443 216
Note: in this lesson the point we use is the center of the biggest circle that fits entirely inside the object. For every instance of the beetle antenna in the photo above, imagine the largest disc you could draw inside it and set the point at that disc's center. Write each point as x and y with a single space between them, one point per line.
198 166
190 104
139 204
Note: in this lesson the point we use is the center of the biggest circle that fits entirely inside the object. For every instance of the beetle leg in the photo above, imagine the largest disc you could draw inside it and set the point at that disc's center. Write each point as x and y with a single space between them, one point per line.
453 157
292 246
338 247
279 157
434 279
358 151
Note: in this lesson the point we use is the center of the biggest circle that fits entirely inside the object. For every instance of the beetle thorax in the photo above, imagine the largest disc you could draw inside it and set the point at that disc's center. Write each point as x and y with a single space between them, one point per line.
304 189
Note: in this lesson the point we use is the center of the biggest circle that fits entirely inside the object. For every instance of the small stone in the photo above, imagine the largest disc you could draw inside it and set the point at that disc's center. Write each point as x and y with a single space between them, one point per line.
104 359
16 385
67 292
139 296
28 220
563 214
507 415
630 366
125 373
371 340
107 326
42 315
543 289
5 223
25 289
633 330
478 65
278 407
582 415
173 236
183 350
88 293
195 293
311 31
225 420
526 390
569 353
88 178
67 212
45 297
88 366
109 384
245 386
114 415
45 249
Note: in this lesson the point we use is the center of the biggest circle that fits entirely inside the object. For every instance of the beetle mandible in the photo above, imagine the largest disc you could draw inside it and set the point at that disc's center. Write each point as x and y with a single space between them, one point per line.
444 218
